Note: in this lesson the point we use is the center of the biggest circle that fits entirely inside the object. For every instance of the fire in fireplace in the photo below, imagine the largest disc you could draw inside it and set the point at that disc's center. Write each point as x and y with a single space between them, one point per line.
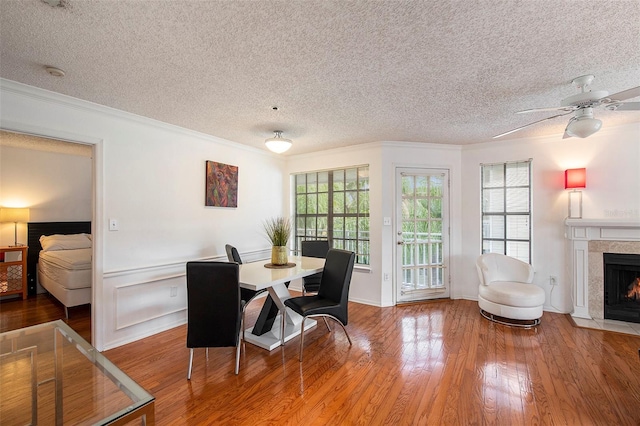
634 290
622 287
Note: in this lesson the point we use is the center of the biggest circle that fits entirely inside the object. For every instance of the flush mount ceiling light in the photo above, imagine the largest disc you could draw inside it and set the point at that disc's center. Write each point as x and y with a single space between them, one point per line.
56 72
278 144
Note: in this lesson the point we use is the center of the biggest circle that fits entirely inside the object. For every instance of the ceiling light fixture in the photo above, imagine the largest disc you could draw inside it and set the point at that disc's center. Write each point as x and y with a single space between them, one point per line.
56 72
583 124
278 144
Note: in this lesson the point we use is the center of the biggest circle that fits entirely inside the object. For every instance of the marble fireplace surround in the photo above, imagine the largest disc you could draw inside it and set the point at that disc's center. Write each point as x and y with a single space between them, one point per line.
588 240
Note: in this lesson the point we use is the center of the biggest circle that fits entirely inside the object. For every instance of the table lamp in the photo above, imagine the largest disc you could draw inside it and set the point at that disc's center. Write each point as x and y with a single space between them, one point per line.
575 178
15 215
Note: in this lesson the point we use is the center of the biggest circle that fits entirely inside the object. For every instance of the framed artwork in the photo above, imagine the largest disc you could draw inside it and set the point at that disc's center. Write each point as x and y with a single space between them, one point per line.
222 185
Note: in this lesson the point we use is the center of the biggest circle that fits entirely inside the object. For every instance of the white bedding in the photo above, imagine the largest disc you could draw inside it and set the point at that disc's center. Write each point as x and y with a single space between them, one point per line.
77 259
66 278
64 268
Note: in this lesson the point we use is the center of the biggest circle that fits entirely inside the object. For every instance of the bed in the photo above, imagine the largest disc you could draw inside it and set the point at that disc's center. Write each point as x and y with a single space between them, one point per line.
59 260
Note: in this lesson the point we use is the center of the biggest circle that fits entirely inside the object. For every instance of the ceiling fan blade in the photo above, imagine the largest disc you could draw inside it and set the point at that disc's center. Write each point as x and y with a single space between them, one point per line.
561 108
624 106
530 124
625 94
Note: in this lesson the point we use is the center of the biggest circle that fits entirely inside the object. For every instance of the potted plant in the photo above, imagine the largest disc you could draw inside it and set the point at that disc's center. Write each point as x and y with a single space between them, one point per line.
278 230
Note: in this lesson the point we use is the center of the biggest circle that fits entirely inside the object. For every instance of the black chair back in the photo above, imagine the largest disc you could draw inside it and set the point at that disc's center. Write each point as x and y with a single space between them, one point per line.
213 302
232 254
336 280
318 248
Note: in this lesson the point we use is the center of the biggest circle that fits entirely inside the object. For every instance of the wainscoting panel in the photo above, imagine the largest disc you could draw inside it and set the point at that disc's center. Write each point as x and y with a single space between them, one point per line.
150 299
145 301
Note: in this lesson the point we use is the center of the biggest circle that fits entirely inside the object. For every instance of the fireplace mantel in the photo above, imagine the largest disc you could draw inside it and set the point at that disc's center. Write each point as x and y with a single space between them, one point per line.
579 232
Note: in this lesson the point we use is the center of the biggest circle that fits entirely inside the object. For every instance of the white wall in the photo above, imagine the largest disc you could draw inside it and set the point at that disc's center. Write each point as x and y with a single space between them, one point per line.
151 176
55 187
611 158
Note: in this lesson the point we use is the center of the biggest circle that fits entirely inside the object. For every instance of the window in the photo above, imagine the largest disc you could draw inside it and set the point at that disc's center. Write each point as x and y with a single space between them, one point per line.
506 209
334 205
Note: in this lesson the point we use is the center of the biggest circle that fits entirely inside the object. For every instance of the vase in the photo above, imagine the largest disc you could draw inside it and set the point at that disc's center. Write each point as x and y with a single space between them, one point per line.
279 255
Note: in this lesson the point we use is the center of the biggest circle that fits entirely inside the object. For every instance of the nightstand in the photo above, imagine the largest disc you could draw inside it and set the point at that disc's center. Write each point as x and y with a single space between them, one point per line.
13 271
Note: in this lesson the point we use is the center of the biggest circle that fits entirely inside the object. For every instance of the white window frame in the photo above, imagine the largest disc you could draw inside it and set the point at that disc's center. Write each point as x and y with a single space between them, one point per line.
503 212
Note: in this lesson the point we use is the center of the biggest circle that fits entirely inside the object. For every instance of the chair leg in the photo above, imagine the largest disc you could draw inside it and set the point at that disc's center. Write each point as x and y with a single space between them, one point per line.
324 317
238 356
242 324
523 324
302 338
345 331
326 323
190 363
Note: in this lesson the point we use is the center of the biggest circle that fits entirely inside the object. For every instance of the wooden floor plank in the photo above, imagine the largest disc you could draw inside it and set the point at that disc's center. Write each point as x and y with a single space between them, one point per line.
430 363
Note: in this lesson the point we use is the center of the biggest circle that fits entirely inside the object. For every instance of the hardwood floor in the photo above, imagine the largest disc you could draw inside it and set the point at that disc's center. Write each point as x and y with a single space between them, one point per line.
18 313
429 363
422 364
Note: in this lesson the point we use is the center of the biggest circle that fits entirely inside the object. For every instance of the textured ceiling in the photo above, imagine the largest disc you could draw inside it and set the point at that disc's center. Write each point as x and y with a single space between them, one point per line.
18 140
340 72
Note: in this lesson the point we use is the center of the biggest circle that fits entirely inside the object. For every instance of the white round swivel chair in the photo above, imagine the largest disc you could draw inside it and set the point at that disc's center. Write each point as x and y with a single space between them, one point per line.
506 291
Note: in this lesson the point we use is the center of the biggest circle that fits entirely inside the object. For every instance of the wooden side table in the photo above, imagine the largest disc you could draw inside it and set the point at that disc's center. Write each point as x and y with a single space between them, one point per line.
13 272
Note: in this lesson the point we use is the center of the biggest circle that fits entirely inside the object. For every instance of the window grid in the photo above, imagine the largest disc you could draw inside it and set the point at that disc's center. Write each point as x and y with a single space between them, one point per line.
344 220
506 209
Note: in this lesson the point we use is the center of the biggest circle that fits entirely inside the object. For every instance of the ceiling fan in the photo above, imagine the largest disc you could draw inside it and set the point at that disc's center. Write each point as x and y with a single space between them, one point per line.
582 124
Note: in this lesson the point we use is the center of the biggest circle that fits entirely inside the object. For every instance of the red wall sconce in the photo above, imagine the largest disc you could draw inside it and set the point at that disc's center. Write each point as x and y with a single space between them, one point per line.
575 178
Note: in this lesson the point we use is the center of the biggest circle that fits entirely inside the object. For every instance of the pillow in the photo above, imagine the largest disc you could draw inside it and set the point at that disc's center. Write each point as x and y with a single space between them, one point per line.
65 242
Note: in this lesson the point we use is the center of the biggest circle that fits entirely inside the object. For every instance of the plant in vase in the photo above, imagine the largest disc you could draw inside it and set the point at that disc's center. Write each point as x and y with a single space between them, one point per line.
278 230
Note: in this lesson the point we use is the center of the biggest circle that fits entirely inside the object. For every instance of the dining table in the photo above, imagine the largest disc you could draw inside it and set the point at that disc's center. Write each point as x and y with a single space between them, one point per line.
267 332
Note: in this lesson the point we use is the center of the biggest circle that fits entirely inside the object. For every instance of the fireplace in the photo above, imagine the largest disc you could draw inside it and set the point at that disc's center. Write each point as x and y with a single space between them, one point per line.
622 287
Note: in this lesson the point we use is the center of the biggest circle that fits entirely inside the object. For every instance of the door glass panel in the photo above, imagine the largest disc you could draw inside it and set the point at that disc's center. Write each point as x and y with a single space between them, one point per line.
422 240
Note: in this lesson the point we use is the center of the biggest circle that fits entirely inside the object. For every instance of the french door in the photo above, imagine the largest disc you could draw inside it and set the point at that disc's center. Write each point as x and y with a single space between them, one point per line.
422 234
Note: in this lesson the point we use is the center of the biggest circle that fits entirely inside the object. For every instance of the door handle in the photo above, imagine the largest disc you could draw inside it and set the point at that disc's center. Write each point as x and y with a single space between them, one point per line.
400 243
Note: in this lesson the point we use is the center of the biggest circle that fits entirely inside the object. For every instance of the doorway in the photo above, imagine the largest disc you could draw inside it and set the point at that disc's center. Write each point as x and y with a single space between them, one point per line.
422 234
56 178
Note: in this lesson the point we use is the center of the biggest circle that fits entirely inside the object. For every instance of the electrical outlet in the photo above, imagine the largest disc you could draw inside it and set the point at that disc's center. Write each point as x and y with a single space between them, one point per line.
553 280
173 292
385 276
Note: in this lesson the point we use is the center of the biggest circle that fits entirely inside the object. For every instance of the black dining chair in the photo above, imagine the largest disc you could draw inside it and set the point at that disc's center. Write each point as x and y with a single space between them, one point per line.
214 307
245 294
333 295
318 248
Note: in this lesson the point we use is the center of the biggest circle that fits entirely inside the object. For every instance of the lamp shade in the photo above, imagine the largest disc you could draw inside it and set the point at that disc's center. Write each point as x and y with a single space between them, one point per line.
583 127
575 178
278 144
11 214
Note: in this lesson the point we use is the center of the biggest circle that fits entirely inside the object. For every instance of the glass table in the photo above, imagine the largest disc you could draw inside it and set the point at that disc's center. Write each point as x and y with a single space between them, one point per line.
51 375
